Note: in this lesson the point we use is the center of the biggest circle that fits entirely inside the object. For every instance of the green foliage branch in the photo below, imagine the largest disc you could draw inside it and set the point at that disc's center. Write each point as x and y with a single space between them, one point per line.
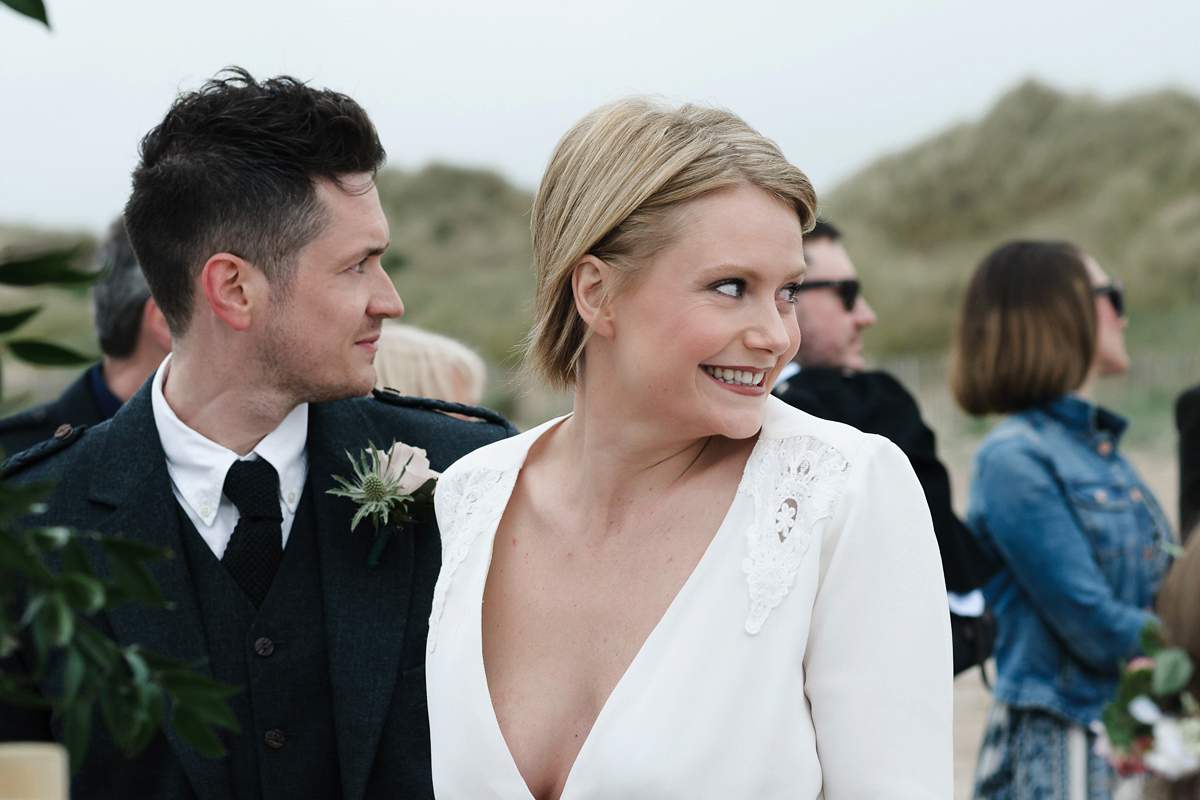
50 585
30 8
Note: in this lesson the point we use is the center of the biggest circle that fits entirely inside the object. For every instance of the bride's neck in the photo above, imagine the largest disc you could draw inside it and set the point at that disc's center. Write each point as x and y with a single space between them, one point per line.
613 457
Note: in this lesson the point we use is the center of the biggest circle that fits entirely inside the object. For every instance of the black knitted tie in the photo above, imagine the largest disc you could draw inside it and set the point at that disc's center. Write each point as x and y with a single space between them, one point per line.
256 546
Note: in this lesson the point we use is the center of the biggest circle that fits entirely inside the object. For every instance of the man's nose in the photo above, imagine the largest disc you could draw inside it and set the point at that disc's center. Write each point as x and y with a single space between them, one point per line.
864 315
385 301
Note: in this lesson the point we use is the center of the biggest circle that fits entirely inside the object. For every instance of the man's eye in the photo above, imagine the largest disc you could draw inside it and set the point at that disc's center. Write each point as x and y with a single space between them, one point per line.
731 288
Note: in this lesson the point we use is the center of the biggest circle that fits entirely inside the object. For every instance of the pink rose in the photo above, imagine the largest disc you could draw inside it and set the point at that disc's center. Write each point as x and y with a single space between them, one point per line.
1140 663
412 476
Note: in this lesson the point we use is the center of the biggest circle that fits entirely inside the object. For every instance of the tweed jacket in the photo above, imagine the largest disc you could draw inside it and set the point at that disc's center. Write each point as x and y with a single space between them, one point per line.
113 479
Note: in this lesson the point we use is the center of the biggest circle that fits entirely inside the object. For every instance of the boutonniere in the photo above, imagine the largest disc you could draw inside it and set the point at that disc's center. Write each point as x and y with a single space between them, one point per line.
389 487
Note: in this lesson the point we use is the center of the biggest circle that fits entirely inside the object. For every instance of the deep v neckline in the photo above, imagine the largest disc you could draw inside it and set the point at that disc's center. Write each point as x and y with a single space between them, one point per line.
687 589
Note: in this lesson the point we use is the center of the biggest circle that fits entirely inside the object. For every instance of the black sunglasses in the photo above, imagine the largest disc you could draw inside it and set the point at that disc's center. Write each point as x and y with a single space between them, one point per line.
846 289
1116 295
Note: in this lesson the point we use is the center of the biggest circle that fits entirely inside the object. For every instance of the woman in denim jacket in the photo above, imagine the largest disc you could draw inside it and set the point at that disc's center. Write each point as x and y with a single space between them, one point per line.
1078 533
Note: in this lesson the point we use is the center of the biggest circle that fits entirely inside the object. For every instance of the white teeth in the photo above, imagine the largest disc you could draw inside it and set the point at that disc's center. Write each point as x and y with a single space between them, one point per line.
736 376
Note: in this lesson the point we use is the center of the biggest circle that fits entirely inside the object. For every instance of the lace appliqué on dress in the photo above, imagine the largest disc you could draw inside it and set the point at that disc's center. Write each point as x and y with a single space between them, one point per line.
794 483
476 501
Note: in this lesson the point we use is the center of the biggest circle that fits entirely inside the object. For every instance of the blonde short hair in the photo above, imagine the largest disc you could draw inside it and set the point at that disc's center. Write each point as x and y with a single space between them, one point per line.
425 364
613 189
1027 328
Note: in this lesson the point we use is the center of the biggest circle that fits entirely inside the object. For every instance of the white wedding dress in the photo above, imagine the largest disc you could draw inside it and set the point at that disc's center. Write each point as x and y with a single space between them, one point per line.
807 656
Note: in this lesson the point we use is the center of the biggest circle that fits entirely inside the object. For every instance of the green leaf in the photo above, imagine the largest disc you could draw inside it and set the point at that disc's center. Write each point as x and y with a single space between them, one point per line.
117 717
49 539
1172 671
47 354
75 559
15 555
78 728
130 572
56 615
194 731
1151 638
11 320
137 665
148 718
73 675
84 593
35 9
1121 726
53 268
97 648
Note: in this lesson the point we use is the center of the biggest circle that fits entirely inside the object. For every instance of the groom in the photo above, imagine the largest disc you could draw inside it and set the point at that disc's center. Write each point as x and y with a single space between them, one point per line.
258 226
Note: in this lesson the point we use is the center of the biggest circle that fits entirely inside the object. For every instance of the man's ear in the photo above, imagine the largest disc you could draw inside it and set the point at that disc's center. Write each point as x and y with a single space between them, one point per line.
590 284
231 287
154 325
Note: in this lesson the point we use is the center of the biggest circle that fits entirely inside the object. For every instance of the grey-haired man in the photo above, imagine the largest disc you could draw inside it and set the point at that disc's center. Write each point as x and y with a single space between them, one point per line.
133 337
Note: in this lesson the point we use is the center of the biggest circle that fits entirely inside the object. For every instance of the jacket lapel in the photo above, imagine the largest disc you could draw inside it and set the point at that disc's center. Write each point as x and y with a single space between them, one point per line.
131 477
365 607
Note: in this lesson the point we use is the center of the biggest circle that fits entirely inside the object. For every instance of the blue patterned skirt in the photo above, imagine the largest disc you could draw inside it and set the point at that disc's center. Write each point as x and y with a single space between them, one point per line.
1028 754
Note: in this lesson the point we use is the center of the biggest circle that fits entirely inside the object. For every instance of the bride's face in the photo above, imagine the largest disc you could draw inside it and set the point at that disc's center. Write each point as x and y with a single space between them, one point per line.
698 340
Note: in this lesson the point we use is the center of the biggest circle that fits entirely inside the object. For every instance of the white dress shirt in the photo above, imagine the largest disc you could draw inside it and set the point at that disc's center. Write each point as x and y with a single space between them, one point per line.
197 466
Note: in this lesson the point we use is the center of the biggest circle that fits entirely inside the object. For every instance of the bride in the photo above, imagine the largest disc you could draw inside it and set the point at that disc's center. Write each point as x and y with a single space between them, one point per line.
685 588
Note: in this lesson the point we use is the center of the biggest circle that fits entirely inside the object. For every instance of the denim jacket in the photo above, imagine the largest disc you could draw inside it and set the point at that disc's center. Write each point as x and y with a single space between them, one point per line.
1082 542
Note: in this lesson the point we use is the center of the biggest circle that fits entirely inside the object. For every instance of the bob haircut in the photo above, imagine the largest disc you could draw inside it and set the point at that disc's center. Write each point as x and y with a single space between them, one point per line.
1027 330
425 364
613 189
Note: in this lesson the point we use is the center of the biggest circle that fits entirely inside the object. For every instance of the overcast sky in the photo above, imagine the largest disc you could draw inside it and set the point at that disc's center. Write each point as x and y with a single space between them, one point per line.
495 82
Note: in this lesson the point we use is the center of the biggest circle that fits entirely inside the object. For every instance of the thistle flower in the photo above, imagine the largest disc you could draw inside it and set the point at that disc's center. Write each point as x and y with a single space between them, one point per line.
385 485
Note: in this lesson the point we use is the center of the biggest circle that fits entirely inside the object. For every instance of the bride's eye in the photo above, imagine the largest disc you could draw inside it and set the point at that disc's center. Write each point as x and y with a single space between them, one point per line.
731 288
788 293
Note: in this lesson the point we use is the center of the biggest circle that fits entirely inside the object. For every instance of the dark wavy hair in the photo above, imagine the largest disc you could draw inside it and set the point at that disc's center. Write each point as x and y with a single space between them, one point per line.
233 168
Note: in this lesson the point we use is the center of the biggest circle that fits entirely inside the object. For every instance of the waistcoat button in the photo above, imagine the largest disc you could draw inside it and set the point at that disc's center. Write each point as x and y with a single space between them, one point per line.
1104 447
264 646
274 738
1101 496
1135 495
63 431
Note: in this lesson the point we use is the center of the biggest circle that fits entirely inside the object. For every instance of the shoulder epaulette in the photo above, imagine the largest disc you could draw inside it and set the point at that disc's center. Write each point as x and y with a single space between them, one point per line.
394 398
64 437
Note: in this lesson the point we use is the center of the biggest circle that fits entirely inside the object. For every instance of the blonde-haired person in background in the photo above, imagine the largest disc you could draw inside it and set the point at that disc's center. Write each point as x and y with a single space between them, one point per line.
685 587
421 363
1078 534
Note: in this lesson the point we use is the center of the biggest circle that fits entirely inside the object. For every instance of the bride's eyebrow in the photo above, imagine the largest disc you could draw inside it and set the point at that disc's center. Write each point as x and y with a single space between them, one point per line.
734 270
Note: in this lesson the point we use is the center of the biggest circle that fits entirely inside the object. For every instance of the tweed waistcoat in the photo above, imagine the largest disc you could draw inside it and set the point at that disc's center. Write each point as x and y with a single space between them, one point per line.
278 653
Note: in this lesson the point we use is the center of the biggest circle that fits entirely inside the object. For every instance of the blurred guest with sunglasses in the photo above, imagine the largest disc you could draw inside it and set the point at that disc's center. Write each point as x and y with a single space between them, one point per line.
1082 542
827 379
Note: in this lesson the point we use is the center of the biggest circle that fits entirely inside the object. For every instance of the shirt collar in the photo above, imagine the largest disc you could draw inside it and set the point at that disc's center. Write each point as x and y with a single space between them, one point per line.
1085 417
789 370
197 465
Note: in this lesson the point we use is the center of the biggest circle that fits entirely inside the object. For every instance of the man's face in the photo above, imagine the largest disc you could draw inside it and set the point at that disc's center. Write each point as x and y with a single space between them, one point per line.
830 336
319 340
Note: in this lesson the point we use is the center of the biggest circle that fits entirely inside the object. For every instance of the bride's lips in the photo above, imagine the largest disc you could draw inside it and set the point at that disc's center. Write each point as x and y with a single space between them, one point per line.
737 381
